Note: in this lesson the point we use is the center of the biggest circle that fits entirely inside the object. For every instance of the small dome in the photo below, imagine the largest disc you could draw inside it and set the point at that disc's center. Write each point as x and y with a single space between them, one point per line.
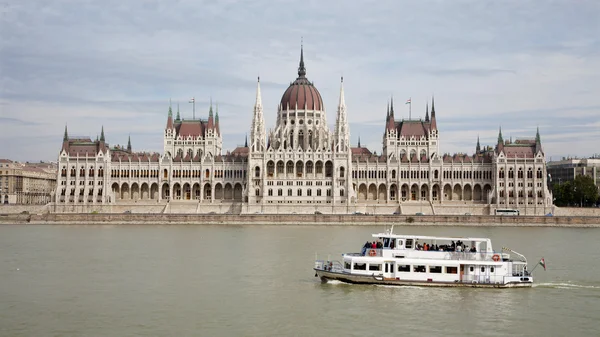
302 92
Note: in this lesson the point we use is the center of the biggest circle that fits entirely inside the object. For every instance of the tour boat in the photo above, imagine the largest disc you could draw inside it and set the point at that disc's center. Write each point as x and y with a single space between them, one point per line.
418 260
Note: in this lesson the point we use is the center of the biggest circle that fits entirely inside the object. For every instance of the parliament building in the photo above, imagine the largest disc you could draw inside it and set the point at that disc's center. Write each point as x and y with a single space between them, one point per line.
302 166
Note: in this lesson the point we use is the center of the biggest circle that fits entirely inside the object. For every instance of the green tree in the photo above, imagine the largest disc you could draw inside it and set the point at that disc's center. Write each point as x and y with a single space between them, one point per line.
585 191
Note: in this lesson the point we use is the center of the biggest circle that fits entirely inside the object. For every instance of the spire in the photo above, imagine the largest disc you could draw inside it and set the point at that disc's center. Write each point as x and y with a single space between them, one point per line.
178 115
217 119
392 107
170 110
246 142
258 102
66 136
342 133
342 98
433 121
478 147
500 139
301 69
102 134
388 112
537 135
210 111
358 141
129 144
427 112
257 132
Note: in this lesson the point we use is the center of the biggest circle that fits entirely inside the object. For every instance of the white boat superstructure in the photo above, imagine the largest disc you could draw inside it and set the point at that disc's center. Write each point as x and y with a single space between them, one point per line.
429 261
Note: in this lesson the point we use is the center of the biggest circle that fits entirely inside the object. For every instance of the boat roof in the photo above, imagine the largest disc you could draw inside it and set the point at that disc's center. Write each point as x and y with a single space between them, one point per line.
426 237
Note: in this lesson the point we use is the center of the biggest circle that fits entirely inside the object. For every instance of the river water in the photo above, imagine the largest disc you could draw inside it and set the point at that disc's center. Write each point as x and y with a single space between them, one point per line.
171 280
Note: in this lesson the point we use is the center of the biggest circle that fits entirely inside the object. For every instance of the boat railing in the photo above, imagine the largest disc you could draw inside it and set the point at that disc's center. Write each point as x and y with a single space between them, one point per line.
333 266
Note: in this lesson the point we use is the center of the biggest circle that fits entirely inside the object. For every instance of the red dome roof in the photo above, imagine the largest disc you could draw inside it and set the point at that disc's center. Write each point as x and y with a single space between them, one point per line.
302 92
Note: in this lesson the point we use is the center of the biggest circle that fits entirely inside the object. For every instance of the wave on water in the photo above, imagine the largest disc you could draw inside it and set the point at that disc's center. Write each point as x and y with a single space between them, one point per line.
335 282
563 285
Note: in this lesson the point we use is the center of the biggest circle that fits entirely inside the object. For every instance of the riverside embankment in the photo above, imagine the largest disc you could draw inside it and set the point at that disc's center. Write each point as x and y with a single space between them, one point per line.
300 219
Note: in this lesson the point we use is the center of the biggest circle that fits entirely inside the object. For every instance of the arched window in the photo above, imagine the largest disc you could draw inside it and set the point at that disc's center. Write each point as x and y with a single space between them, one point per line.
342 172
299 192
289 192
393 174
257 192
328 169
257 172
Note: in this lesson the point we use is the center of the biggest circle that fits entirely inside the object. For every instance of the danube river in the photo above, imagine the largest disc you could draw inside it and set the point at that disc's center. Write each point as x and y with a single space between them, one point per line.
258 281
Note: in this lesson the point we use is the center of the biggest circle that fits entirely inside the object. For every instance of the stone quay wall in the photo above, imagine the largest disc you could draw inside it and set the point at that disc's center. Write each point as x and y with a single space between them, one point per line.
300 219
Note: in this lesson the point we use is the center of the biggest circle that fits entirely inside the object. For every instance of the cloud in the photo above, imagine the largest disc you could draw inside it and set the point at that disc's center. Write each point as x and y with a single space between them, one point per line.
513 64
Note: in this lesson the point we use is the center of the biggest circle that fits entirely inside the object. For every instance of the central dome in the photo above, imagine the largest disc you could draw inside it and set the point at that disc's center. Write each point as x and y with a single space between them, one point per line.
302 93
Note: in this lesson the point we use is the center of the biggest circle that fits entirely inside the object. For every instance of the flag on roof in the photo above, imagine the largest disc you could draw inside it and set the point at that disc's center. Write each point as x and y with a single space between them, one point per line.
408 101
192 100
543 263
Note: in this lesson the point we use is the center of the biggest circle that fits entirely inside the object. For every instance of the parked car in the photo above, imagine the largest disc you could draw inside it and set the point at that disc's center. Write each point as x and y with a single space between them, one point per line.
396 213
317 212
419 213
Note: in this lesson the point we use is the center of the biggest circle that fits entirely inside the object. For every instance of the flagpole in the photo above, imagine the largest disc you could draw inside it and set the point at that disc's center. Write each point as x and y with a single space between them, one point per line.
194 108
409 108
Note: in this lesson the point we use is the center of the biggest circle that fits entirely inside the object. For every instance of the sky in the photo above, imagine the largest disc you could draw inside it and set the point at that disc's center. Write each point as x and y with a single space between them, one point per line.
514 64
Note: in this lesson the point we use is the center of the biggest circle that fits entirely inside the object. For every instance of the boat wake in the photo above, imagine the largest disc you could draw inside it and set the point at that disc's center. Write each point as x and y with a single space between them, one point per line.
565 286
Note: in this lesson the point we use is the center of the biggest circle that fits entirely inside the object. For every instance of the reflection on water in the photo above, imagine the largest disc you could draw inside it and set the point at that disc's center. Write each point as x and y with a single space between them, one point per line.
258 281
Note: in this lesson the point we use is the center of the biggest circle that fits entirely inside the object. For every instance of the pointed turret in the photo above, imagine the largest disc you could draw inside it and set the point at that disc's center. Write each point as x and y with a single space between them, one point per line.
217 120
211 118
170 117
478 146
65 145
102 139
538 141
178 118
358 141
433 120
500 145
427 112
257 132
390 122
342 134
246 142
129 144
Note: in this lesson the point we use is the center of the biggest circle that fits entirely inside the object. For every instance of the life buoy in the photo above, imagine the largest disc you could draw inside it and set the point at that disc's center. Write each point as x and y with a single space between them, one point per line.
372 252
496 257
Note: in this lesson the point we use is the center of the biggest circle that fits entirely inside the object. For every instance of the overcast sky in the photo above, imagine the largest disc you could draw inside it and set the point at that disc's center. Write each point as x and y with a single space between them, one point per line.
516 64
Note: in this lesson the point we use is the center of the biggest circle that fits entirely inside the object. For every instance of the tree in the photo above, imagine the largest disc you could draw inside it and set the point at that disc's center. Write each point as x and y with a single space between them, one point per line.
580 192
585 190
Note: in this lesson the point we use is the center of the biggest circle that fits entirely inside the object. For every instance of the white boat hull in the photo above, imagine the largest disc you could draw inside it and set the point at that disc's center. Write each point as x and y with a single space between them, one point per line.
378 279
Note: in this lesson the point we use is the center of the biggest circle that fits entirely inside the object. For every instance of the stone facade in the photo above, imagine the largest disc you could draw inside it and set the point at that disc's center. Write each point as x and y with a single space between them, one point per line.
26 183
301 166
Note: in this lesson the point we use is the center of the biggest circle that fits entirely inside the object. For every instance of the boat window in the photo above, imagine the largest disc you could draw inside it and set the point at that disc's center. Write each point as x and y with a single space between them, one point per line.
471 268
374 267
492 269
451 270
400 243
435 269
386 242
346 265
419 269
482 269
360 266
409 243
404 268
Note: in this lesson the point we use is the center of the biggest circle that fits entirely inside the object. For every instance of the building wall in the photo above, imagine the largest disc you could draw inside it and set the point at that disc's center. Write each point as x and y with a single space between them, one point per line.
25 183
